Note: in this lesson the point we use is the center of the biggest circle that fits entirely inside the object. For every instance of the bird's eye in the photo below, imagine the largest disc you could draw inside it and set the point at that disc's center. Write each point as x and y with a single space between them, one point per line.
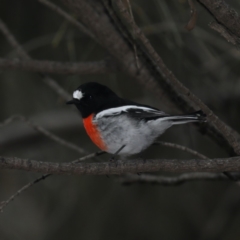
88 96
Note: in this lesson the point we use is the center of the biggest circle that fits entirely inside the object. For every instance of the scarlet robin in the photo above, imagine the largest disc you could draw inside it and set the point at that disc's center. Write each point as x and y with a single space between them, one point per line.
120 126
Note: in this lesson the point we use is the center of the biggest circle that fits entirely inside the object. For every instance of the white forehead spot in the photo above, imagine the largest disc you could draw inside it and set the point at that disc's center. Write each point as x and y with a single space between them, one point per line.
77 94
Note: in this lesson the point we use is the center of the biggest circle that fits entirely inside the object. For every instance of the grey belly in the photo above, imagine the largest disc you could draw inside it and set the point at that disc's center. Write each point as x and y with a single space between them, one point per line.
135 135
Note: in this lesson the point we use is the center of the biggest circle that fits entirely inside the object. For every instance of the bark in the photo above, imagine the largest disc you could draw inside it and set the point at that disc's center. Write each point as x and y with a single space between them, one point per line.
122 167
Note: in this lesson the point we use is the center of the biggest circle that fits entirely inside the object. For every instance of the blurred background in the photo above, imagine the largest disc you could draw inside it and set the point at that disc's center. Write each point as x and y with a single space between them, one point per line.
98 207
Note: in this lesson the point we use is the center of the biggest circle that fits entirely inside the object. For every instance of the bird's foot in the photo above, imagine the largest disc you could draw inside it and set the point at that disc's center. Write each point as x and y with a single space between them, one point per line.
114 156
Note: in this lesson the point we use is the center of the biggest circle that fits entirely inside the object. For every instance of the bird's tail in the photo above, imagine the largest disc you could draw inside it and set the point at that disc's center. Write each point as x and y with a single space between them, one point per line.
198 116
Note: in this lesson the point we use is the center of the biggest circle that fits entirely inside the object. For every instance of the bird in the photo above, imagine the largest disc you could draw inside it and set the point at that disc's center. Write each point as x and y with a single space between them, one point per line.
119 126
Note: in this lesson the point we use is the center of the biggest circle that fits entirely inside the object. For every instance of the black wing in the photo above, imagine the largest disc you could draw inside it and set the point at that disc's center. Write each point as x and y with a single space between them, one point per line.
133 109
137 112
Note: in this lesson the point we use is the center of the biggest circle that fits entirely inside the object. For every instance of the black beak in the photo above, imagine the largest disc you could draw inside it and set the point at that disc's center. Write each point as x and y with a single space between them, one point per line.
73 101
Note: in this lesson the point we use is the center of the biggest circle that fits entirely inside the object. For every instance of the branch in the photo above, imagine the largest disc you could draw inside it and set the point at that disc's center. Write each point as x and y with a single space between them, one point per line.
224 32
44 132
121 167
224 14
172 181
57 67
3 204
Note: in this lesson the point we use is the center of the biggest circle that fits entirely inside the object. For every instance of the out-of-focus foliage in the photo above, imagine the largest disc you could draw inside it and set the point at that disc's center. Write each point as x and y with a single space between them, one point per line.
73 207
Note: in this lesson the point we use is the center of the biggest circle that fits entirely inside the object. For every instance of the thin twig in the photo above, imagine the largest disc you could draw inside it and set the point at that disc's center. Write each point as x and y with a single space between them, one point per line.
224 32
134 34
183 148
193 18
44 132
14 43
3 204
68 17
57 67
12 40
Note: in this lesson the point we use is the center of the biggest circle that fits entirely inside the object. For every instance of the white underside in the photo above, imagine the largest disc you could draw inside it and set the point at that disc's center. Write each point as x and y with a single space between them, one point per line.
135 135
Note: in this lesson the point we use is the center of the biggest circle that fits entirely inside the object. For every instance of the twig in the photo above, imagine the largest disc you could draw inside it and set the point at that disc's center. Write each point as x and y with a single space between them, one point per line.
49 81
193 18
171 181
3 204
57 67
68 17
44 132
12 40
183 148
134 34
224 33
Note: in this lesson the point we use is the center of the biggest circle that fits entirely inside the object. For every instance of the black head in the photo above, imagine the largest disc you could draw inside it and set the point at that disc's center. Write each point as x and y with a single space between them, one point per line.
92 97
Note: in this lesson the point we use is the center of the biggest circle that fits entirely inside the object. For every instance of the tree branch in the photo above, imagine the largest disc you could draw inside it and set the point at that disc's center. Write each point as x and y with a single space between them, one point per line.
57 67
224 14
224 32
121 167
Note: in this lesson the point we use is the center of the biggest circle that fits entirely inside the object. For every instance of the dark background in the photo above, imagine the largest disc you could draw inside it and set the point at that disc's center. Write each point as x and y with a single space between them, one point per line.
97 207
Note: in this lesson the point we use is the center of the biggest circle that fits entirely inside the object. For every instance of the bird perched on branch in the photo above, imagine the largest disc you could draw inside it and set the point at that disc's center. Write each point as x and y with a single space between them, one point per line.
120 126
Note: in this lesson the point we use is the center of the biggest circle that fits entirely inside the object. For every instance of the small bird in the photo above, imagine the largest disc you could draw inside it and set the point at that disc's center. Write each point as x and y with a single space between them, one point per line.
119 126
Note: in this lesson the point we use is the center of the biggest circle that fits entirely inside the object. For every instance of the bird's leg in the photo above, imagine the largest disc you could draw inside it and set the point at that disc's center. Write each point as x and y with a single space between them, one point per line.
112 159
